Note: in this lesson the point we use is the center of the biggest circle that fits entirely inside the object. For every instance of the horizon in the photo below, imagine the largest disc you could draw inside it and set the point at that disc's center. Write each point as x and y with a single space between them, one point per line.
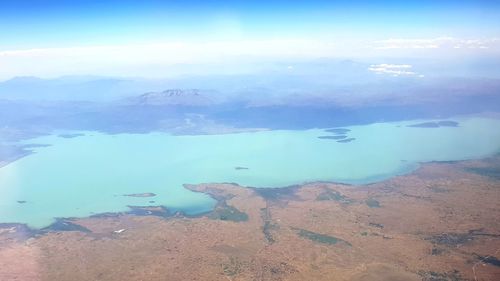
152 39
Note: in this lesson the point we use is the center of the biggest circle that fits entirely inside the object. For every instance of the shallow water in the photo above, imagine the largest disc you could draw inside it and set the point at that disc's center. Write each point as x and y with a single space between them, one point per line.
81 176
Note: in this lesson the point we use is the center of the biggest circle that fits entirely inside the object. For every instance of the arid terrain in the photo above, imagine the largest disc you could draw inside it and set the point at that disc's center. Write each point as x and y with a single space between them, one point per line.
439 223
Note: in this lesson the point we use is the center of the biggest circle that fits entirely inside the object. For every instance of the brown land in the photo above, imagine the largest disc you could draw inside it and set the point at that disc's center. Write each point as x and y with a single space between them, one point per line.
438 223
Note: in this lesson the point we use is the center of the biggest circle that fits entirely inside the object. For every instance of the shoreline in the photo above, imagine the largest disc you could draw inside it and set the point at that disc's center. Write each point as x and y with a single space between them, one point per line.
267 193
404 168
437 222
78 133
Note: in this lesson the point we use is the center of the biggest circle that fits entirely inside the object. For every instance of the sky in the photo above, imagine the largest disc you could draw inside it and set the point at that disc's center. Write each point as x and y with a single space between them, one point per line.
53 38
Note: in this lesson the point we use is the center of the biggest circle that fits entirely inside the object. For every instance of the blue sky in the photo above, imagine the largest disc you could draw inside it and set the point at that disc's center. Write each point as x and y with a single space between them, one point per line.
34 24
86 32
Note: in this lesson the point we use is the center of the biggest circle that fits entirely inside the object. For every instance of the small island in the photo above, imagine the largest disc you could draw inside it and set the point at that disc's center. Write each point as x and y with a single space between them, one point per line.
435 124
332 137
346 140
146 194
70 136
338 131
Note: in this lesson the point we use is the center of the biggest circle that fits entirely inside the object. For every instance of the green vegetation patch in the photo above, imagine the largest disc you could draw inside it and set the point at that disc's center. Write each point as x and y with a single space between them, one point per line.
451 239
276 194
372 203
378 225
228 213
233 267
269 226
490 172
438 189
490 260
334 196
441 276
267 230
437 251
64 225
320 238
457 239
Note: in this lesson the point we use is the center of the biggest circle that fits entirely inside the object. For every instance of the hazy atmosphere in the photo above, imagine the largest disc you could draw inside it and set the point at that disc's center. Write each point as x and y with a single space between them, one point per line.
249 140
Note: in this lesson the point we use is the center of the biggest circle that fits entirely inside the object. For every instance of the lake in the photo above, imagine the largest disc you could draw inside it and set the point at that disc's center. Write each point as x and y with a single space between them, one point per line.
90 174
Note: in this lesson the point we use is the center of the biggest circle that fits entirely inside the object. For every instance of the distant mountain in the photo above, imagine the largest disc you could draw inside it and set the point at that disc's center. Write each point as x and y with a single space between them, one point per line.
22 80
185 97
321 94
78 88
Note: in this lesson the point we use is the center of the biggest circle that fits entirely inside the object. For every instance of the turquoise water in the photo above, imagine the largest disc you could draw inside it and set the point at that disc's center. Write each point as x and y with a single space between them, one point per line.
89 175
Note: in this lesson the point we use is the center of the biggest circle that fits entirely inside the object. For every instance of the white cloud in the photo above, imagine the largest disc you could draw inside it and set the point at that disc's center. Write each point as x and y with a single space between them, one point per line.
163 59
176 52
138 59
437 43
393 69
